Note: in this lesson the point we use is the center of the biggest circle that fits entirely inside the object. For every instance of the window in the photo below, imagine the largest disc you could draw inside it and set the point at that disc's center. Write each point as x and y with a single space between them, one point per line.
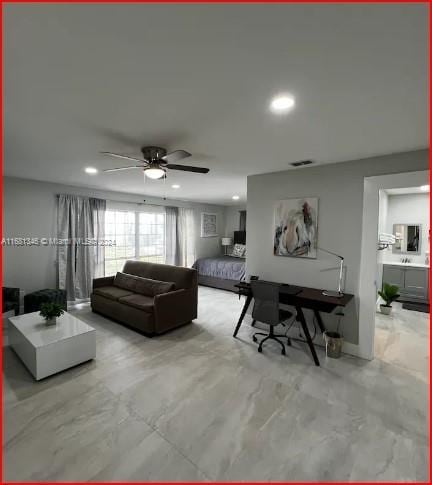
151 237
120 227
137 235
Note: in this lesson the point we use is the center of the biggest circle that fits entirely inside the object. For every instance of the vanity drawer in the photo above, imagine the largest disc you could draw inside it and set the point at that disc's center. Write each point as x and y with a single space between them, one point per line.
416 282
394 275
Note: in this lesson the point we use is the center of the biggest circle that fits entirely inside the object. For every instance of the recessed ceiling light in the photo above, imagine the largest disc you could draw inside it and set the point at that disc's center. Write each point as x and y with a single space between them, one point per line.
425 188
175 186
236 197
91 170
282 103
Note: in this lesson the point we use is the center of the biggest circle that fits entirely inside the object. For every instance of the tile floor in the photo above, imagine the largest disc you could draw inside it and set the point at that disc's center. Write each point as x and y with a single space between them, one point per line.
198 405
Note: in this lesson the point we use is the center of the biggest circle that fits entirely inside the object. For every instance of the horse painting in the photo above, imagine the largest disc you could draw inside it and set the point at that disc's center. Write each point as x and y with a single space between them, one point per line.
296 228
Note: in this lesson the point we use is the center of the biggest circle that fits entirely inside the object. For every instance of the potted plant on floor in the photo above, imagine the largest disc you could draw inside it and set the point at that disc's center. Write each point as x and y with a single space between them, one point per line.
389 294
50 311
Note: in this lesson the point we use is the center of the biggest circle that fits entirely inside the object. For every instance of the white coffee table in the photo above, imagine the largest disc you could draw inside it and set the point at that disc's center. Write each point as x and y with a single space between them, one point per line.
46 350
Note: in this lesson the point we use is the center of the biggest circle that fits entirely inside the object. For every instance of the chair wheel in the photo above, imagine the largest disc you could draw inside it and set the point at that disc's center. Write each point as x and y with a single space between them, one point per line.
289 342
259 349
254 338
283 352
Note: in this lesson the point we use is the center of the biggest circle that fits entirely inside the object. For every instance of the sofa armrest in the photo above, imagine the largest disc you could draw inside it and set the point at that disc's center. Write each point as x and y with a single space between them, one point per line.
174 308
105 281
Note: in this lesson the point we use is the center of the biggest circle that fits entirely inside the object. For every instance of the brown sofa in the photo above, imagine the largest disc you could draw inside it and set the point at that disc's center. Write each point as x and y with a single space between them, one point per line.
151 298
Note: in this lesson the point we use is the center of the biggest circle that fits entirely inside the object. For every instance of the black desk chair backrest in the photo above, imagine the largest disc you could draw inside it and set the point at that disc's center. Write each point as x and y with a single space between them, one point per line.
266 310
266 302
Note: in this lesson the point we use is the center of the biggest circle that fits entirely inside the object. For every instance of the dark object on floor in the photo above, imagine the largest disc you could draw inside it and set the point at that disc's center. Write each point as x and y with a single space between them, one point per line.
33 301
417 307
266 310
10 300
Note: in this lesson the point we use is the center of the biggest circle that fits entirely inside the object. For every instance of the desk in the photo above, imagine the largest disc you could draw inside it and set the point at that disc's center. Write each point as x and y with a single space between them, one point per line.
299 297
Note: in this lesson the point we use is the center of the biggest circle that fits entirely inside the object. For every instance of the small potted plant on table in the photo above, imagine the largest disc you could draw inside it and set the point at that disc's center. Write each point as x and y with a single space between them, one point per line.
389 294
50 311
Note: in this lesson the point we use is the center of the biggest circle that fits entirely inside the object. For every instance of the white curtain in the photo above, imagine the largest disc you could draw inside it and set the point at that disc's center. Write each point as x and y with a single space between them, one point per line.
81 224
180 236
186 236
172 252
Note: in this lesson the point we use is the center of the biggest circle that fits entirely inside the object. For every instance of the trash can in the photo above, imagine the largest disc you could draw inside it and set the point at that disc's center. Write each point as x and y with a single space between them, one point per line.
333 341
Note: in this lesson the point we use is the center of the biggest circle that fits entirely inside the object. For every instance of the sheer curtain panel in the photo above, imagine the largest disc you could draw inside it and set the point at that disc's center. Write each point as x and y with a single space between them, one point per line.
80 226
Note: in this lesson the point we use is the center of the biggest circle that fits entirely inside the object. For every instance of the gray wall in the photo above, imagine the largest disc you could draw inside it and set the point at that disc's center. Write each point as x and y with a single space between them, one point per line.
29 210
232 219
339 188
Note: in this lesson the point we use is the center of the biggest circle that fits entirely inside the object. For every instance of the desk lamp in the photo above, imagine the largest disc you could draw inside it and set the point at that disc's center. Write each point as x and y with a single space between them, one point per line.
338 293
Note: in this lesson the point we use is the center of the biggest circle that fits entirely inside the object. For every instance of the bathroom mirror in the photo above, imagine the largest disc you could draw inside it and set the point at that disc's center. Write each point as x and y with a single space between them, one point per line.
408 237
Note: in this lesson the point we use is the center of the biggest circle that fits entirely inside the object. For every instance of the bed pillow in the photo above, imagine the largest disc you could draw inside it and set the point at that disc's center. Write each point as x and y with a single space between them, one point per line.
238 251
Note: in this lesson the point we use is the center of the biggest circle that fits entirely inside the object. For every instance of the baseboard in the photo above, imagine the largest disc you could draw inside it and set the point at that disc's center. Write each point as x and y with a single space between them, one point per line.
347 348
351 349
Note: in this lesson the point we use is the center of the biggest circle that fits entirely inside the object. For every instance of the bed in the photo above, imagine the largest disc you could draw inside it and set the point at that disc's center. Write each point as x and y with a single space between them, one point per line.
222 272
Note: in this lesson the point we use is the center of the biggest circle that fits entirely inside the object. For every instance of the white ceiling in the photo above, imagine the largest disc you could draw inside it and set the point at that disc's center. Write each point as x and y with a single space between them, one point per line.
81 78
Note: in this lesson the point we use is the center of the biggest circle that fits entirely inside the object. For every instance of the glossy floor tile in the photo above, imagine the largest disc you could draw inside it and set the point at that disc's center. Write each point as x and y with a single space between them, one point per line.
198 405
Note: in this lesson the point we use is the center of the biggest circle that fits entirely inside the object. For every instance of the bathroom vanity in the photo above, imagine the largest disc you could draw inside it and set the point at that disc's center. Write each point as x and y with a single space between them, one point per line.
412 279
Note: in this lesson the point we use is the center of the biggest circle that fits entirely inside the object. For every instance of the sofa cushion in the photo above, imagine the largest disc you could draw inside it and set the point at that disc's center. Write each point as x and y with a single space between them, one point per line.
182 277
144 286
149 287
142 302
111 292
125 281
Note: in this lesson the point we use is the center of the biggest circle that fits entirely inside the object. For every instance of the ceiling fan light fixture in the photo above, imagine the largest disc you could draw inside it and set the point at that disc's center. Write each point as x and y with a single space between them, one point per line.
154 173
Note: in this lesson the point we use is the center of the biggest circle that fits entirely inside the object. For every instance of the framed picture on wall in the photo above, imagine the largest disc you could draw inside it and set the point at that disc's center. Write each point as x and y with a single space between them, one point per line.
208 224
296 228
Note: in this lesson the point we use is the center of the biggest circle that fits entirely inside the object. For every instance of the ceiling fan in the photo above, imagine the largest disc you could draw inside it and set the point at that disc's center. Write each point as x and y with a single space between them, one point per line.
156 161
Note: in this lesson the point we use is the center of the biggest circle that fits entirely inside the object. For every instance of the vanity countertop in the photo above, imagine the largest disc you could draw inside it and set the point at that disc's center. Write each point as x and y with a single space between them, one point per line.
399 263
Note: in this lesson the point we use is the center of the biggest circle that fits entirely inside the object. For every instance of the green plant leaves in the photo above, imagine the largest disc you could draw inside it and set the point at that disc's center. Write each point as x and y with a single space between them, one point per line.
389 293
50 310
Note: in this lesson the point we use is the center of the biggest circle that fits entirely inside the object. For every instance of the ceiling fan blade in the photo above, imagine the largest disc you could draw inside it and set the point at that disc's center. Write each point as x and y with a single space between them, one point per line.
187 168
176 155
123 168
118 155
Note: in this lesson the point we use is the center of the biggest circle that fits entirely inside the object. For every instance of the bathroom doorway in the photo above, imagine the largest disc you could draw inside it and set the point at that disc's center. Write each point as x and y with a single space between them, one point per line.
402 310
372 267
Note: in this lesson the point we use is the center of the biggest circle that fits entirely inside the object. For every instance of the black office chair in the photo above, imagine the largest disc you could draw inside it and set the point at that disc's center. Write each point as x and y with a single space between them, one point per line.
266 310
